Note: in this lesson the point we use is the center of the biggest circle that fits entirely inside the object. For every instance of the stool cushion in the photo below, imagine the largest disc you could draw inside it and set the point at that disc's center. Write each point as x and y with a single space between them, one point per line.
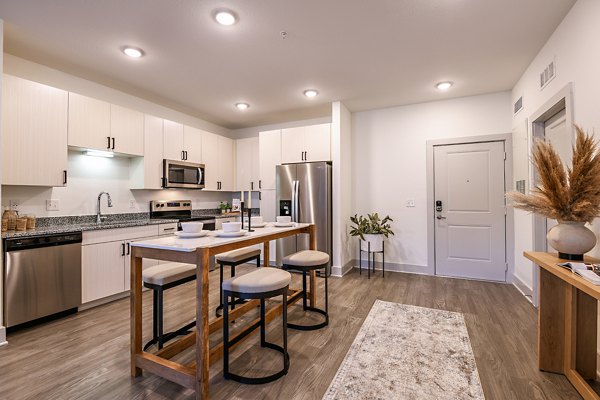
306 258
238 255
260 280
163 274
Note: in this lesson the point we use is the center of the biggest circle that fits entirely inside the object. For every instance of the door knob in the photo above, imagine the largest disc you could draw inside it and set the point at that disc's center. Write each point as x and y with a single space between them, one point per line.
440 217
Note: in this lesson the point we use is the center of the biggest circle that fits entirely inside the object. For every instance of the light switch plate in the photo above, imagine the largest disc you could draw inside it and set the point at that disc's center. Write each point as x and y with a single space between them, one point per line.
410 203
131 203
52 205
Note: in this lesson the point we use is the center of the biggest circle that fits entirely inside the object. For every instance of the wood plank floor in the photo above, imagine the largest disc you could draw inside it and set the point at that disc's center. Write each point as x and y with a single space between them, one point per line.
86 356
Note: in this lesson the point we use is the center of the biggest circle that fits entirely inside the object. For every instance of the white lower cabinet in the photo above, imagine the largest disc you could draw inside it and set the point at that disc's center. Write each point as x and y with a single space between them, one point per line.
106 259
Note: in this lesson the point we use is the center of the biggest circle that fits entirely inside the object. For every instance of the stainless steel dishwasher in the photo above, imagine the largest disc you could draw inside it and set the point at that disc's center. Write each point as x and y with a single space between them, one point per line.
42 277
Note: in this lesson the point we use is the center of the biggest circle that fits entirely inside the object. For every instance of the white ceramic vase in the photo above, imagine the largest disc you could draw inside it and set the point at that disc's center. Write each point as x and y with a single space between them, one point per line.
376 242
571 239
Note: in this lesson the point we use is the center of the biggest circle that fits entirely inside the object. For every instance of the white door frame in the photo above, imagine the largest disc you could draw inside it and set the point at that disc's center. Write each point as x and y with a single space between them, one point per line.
563 99
508 176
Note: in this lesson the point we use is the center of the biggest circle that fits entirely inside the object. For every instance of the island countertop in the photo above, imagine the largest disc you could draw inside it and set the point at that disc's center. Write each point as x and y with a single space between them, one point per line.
175 243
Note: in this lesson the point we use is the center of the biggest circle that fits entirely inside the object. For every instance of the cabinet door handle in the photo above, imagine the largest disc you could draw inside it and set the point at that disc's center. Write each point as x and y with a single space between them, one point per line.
128 248
182 155
220 185
108 145
251 185
64 177
113 143
186 155
168 229
259 184
259 195
123 249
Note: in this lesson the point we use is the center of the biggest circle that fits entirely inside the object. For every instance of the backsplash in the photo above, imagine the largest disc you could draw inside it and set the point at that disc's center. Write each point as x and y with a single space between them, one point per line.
88 176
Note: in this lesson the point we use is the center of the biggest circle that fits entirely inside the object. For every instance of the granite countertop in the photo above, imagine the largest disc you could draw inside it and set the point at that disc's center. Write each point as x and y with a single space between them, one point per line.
81 227
81 223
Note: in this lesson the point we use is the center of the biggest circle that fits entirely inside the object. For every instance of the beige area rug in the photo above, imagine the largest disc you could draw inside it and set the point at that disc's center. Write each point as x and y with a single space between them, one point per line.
407 352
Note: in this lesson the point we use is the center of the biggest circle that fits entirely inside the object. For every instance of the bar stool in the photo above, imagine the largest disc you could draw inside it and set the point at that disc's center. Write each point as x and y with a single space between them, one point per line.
160 278
305 261
234 258
260 284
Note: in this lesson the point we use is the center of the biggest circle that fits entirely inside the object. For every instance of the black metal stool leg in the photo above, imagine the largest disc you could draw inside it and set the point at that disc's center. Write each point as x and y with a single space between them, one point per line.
159 293
304 305
263 325
226 336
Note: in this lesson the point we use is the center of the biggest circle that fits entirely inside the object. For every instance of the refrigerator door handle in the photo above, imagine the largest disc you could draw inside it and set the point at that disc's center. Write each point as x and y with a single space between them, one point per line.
294 201
297 201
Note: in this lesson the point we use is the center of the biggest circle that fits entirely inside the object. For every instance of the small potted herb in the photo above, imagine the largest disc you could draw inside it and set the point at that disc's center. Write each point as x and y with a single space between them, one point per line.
223 207
371 229
228 207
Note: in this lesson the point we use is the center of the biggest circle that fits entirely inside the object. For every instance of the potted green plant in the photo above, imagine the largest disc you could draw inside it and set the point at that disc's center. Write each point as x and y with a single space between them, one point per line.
371 229
228 207
223 207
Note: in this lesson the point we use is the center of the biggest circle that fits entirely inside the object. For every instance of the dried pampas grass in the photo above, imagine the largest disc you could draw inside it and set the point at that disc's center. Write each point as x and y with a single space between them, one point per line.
565 194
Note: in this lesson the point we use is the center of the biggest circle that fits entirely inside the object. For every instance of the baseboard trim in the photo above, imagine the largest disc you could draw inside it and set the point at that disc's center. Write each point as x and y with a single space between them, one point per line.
338 271
523 288
3 341
104 300
395 267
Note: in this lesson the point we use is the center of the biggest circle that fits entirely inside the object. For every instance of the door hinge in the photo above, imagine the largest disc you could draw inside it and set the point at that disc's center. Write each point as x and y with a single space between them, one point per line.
506 267
504 156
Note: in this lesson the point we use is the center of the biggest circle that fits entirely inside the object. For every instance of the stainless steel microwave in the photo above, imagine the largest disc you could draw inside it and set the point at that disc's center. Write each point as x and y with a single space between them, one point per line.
183 174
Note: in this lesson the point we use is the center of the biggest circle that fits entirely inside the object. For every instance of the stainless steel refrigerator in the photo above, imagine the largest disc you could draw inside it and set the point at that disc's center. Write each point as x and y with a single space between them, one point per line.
304 193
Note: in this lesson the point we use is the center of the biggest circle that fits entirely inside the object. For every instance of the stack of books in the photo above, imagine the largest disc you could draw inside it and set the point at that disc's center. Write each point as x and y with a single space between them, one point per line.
589 272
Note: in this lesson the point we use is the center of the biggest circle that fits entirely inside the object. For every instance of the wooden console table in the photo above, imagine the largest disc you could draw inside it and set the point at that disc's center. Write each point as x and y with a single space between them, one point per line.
567 322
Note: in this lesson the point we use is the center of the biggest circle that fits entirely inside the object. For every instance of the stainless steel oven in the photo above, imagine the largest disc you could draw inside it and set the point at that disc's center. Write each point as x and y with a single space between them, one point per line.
183 174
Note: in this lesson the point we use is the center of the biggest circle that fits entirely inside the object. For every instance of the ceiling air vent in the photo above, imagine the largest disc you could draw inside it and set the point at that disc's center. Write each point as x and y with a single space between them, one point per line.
547 75
518 105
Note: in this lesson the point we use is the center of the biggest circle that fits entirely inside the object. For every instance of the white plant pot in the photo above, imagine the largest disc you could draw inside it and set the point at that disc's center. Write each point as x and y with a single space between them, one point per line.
376 242
571 239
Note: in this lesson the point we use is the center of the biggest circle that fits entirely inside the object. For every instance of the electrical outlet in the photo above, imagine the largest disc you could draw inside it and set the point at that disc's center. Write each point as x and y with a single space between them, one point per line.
15 204
131 203
52 205
410 203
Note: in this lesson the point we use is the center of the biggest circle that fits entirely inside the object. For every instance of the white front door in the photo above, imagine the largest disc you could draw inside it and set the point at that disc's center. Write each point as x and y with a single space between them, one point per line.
470 224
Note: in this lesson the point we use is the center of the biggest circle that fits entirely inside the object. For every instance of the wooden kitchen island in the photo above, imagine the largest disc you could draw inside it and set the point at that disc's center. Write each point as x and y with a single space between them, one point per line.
198 251
567 322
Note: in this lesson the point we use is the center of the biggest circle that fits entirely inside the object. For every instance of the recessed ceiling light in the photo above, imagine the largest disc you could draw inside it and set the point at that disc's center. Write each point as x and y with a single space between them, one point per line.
242 106
133 52
311 93
444 85
225 17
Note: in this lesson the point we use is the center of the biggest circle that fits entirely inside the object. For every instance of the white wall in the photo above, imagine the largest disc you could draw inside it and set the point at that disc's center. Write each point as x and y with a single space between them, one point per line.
88 176
341 156
574 47
389 162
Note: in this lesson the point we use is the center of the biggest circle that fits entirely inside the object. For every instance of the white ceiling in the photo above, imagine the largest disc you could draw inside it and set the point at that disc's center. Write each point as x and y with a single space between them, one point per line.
369 54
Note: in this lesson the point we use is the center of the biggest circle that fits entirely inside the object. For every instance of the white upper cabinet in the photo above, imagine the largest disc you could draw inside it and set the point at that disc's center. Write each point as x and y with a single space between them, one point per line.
89 123
96 124
192 144
146 172
226 157
292 145
210 157
127 130
269 144
247 164
173 140
317 142
306 143
34 133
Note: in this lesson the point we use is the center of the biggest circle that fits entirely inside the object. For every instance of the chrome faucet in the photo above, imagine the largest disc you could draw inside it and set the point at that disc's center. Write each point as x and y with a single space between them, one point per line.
99 214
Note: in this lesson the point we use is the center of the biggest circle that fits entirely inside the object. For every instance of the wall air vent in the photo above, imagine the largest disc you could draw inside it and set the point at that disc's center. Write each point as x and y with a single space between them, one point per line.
518 105
547 75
